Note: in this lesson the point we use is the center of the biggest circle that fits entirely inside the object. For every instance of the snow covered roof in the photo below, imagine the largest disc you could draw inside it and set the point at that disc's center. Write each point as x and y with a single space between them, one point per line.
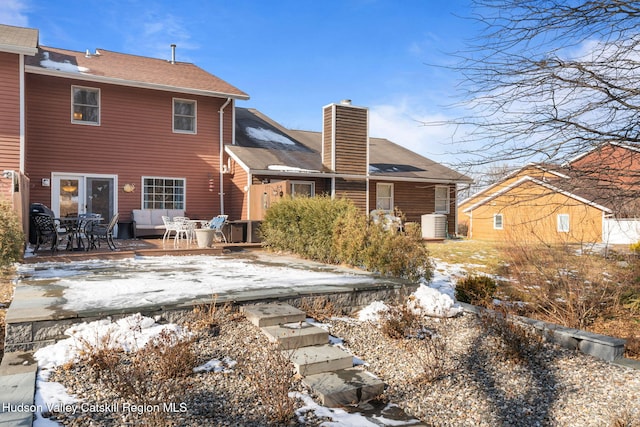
130 70
264 146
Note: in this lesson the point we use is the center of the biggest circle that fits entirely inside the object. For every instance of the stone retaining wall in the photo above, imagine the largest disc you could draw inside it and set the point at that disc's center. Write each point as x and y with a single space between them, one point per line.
600 346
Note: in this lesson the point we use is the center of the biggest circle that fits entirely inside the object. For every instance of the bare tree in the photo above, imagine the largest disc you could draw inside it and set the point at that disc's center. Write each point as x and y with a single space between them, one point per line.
547 80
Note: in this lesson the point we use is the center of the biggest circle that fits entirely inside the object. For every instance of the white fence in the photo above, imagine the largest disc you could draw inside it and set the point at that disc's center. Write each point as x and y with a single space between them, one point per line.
620 231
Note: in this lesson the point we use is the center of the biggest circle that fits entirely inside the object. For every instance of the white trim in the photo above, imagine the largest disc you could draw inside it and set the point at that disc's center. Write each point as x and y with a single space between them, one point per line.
195 115
560 223
392 196
86 122
538 182
142 190
448 200
312 183
82 181
501 216
130 83
20 50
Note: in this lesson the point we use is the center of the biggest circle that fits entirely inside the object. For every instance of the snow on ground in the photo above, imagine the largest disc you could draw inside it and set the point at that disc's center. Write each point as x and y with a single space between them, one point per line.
165 279
143 281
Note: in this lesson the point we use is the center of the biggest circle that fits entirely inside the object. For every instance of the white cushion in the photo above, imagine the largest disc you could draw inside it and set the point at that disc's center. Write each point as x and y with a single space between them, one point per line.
156 216
142 216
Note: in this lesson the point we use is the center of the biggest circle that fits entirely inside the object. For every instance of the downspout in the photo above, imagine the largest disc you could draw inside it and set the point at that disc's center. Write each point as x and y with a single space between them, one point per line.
221 111
22 117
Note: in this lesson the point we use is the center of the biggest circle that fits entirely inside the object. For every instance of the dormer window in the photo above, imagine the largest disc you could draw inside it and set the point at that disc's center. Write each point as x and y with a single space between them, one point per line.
85 105
184 116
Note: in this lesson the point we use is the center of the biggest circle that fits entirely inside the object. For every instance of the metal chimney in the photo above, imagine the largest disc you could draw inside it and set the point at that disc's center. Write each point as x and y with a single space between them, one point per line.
173 53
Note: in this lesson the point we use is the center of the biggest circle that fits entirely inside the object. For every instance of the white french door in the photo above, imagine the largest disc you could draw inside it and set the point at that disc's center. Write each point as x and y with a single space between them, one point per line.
73 194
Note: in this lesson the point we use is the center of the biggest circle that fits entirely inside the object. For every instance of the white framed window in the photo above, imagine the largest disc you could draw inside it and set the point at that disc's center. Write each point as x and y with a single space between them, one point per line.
184 115
85 105
442 199
384 196
303 189
163 193
563 223
498 222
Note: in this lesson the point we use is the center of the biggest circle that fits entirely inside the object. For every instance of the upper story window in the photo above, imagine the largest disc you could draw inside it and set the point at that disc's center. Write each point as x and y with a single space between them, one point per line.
184 116
384 196
163 193
302 189
442 199
85 107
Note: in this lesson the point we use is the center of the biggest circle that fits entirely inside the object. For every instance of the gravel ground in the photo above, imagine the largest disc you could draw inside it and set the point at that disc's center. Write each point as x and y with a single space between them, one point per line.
461 376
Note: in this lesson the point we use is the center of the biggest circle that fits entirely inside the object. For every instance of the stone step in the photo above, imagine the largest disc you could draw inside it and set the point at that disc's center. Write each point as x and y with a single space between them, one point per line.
291 336
273 314
18 378
319 358
344 387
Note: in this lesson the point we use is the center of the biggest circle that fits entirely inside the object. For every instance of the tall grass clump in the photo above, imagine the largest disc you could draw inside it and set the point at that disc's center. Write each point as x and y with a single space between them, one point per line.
11 238
335 231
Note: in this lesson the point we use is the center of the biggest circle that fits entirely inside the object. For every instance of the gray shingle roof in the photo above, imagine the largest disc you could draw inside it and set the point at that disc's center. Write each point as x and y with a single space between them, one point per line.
262 144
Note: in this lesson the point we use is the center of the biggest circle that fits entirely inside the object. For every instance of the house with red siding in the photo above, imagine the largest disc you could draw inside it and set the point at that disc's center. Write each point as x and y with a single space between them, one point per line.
105 132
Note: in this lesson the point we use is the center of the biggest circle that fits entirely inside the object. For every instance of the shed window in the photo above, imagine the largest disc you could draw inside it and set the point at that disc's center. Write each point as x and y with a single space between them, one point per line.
163 193
563 223
384 196
498 222
85 107
442 199
184 116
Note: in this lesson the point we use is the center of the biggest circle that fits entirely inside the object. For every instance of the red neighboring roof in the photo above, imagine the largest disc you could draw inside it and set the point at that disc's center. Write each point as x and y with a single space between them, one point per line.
130 70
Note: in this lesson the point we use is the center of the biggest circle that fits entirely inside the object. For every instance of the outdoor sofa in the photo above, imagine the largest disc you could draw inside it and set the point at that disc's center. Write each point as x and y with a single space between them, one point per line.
148 222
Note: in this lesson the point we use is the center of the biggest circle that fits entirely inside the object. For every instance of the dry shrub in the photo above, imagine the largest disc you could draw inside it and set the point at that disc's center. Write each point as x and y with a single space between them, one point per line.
400 322
272 376
320 308
625 419
432 353
153 375
173 355
563 285
517 341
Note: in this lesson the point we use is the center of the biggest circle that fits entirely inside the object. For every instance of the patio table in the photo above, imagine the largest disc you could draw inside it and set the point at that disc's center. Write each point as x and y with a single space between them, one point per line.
76 229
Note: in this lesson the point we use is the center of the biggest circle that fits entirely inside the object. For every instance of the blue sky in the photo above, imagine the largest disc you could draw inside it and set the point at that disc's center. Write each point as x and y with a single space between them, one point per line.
291 56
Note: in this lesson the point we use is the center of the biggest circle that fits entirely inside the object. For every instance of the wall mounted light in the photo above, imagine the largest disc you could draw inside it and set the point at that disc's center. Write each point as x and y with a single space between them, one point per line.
129 188
211 183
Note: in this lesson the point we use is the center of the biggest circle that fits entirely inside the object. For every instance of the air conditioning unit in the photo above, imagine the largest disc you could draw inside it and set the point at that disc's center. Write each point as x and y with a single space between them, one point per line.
434 226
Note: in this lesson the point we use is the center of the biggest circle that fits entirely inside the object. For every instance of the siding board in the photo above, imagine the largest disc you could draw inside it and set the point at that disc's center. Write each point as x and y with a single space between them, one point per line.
134 139
9 111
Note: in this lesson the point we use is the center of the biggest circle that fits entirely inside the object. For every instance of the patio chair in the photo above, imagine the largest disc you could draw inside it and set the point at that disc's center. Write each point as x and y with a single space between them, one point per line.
216 225
169 226
183 229
103 232
47 230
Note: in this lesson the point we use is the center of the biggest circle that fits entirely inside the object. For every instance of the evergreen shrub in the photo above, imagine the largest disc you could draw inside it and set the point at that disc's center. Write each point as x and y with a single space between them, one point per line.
11 237
476 289
335 231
